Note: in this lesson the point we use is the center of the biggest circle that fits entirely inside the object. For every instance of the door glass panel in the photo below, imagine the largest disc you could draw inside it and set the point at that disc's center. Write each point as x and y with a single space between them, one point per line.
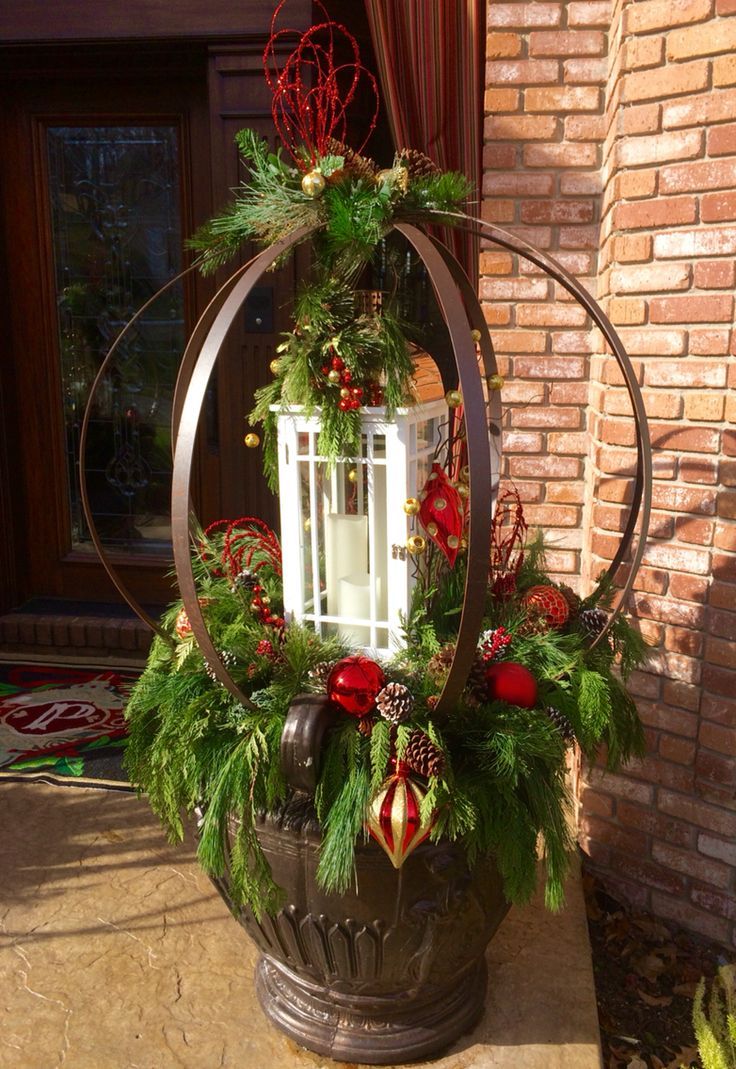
115 211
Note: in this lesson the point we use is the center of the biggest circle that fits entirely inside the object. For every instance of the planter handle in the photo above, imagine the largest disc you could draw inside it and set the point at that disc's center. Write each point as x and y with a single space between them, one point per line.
307 721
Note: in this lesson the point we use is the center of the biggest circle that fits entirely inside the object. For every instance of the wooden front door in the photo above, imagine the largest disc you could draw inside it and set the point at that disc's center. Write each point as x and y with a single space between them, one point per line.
110 173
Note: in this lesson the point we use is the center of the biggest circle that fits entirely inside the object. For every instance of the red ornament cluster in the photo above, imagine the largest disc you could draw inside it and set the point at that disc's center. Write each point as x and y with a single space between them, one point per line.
351 396
354 684
548 602
312 90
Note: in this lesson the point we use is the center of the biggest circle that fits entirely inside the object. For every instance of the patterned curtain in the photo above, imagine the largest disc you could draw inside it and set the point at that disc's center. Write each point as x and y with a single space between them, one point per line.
430 56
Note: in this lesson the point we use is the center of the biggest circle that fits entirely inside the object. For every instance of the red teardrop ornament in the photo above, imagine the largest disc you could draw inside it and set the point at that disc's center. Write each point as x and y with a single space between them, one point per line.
441 513
508 681
354 683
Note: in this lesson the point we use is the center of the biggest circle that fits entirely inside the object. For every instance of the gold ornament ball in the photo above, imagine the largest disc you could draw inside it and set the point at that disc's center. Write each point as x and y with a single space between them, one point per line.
307 525
345 392
313 184
265 600
465 474
333 376
416 545
252 441
462 490
495 382
475 335
275 367
411 506
353 475
453 398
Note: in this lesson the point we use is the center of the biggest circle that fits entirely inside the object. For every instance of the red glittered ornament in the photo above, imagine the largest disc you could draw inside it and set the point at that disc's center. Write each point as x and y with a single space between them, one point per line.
548 602
441 512
508 681
354 683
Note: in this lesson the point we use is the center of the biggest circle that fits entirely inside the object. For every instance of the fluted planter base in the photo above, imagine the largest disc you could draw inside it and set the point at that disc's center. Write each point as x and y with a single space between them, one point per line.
355 1028
390 971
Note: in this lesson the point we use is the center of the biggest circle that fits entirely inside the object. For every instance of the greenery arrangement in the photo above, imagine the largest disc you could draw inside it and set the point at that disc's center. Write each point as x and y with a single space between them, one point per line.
492 773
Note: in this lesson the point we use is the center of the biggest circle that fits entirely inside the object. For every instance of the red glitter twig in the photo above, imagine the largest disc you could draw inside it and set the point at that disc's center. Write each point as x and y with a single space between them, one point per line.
508 538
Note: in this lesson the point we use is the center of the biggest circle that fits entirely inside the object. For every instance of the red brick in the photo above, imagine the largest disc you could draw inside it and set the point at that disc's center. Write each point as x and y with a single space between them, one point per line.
698 532
691 309
519 442
642 52
719 848
700 110
683 640
704 40
717 207
670 211
725 7
724 70
699 175
496 100
689 588
499 157
678 558
715 902
570 43
631 185
701 814
649 873
664 81
514 289
585 71
716 773
575 184
521 127
725 537
589 13
554 417
709 342
650 278
718 737
683 914
500 45
538 467
716 274
700 470
722 139
682 499
560 155
652 342
522 72
647 820
550 367
518 185
685 861
628 840
640 119
524 15
723 624
687 439
562 99
647 15
584 128
659 148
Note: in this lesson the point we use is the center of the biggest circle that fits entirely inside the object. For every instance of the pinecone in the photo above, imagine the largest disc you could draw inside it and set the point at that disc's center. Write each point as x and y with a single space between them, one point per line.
320 673
476 684
422 756
561 722
439 665
592 622
365 725
573 600
244 580
355 165
417 164
535 623
395 702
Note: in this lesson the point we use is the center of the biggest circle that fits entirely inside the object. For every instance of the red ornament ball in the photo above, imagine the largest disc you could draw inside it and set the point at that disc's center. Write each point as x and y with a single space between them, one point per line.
508 681
549 602
354 683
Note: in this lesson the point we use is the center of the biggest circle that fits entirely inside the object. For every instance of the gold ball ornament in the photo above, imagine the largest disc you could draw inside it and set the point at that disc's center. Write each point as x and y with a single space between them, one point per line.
411 506
453 398
345 392
465 474
462 490
353 475
275 367
313 184
252 441
495 382
475 335
333 376
416 545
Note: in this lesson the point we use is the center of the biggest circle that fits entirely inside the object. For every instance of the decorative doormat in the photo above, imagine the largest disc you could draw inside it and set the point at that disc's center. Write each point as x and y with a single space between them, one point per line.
64 725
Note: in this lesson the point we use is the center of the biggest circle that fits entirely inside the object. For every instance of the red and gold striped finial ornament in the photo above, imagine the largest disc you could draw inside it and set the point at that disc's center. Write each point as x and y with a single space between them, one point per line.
394 817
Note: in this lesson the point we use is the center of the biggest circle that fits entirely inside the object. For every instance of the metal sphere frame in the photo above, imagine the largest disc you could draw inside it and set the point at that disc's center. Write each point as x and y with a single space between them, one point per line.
462 313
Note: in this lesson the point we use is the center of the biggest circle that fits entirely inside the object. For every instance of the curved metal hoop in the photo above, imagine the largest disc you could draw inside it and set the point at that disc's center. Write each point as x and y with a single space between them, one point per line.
83 492
641 504
221 314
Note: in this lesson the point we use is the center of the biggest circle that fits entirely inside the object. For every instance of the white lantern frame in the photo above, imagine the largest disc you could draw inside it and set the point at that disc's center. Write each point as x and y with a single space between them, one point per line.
342 575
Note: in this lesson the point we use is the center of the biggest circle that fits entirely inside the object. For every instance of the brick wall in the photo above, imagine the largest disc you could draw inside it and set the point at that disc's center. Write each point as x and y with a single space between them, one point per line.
611 143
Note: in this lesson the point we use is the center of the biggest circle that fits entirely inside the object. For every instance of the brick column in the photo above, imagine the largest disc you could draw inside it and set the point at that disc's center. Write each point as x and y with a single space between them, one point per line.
653 190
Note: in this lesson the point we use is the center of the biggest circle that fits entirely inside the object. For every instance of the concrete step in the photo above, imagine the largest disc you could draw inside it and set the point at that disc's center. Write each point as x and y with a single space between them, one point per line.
69 629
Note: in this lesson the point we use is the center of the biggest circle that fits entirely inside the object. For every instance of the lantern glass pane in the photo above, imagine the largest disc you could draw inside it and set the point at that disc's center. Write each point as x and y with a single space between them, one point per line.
306 520
303 443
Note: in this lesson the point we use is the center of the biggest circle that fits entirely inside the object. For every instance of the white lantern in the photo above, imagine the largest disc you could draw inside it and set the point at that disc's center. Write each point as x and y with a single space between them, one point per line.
343 525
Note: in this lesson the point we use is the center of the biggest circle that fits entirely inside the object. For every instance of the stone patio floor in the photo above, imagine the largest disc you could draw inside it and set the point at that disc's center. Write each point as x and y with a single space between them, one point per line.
117 953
